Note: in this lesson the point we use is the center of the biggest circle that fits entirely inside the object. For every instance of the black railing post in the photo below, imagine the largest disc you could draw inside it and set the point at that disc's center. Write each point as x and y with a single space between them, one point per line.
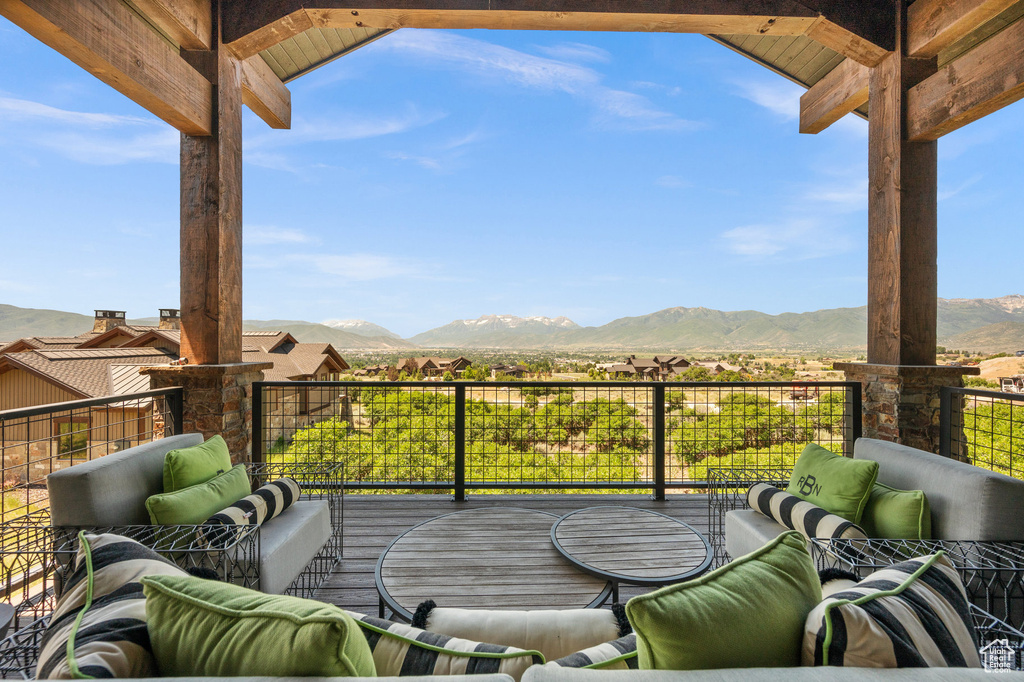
257 422
460 443
659 442
854 420
946 422
175 404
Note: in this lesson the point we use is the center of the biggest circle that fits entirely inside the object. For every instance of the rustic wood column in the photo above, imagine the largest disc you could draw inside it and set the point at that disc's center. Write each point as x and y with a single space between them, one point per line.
902 216
211 216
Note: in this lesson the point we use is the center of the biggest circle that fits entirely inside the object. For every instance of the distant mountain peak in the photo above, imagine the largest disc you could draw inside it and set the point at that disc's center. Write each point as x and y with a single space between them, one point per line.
513 321
361 327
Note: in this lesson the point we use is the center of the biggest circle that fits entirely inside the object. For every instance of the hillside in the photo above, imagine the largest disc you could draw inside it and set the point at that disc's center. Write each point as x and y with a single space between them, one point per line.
489 331
1001 337
16 323
309 332
990 325
361 327
706 329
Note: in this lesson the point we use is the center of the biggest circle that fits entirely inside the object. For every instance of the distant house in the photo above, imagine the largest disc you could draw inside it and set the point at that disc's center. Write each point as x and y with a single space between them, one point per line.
434 366
658 368
719 367
517 371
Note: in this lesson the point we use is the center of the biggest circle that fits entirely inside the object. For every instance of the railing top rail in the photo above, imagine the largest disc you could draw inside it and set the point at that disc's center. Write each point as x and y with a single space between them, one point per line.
983 393
71 405
560 384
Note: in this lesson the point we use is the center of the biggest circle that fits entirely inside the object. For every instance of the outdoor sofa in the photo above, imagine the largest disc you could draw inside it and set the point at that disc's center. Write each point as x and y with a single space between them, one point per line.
967 503
111 492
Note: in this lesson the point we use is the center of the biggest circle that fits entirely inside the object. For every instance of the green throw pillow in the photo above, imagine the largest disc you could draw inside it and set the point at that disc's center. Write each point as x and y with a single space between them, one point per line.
205 628
196 504
897 514
748 613
186 467
839 485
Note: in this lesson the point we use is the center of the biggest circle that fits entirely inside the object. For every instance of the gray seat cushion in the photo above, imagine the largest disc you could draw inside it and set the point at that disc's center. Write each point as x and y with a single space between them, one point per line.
747 530
545 673
112 490
967 502
290 541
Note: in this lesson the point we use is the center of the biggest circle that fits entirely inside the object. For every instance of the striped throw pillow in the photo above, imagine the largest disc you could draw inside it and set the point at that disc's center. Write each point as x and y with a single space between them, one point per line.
618 654
258 508
913 614
401 650
102 612
792 512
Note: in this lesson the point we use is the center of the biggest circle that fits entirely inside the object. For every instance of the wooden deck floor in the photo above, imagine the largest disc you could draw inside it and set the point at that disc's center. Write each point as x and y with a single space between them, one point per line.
373 521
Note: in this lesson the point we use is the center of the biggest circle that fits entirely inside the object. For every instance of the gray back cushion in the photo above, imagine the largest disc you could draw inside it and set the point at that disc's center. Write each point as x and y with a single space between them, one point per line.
112 490
967 502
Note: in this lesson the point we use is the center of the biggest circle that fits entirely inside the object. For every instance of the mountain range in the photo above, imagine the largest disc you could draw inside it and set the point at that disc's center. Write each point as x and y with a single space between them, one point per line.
988 325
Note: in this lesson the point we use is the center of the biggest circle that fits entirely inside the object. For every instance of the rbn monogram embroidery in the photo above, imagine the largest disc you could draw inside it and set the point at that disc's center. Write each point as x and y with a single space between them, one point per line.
808 485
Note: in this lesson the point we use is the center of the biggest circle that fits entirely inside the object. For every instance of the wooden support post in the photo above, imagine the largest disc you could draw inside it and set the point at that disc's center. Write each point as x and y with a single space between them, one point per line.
902 216
211 217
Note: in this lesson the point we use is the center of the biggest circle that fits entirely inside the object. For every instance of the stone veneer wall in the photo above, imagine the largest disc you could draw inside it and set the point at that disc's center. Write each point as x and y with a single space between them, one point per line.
902 403
217 400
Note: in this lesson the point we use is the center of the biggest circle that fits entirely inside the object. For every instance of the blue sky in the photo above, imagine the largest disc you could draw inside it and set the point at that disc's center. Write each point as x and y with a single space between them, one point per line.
439 175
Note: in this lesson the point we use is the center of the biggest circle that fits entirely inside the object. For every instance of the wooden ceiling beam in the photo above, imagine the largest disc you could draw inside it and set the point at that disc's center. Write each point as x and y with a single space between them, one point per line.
933 25
988 78
188 22
840 92
265 94
112 43
254 25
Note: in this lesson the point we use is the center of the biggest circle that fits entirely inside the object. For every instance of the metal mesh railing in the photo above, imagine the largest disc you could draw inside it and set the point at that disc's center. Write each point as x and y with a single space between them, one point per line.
569 436
984 428
37 441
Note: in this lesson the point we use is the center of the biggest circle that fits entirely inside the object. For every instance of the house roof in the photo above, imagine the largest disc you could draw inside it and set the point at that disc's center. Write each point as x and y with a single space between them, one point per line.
89 373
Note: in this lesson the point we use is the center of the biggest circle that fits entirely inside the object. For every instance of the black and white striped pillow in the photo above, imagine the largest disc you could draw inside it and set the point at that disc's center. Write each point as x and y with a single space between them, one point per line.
618 654
401 650
913 614
792 512
103 611
258 508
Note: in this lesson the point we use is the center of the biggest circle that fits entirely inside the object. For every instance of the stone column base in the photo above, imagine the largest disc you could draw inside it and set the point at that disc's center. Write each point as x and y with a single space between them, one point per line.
217 401
901 403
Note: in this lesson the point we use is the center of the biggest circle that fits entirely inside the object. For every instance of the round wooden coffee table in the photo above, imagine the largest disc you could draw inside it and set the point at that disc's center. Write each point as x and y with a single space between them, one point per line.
494 558
632 546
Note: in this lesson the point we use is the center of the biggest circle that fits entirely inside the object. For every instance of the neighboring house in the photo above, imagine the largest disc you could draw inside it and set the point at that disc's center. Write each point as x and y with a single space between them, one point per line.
108 331
434 366
40 377
719 367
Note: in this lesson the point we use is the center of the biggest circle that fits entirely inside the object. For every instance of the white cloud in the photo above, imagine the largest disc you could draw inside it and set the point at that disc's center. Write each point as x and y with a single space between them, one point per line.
949 193
86 137
851 195
615 108
262 235
576 52
673 181
794 239
424 161
23 109
358 267
780 97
